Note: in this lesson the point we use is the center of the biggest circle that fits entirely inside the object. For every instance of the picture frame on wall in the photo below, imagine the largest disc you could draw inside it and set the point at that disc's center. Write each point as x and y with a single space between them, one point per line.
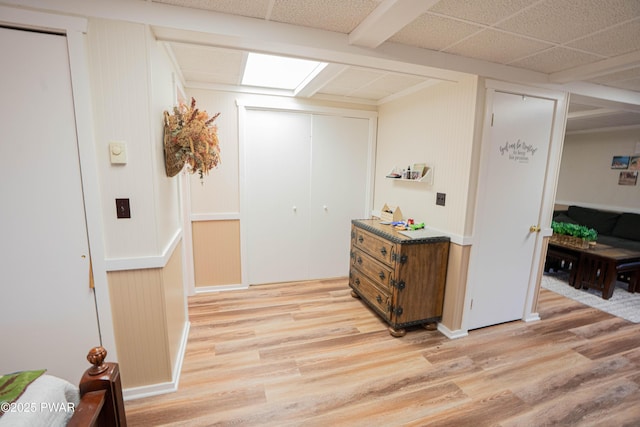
628 178
620 162
634 163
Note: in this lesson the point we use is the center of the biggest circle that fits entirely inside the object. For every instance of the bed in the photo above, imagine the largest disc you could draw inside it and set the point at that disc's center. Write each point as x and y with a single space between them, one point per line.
33 398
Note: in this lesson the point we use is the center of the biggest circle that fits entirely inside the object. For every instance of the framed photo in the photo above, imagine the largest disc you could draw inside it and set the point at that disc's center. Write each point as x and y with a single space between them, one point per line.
620 162
634 163
628 178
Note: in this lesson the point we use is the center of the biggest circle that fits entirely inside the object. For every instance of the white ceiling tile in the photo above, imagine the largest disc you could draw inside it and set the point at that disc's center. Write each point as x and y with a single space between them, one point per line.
496 46
555 59
215 63
486 12
249 8
564 20
616 41
353 78
392 82
331 15
434 32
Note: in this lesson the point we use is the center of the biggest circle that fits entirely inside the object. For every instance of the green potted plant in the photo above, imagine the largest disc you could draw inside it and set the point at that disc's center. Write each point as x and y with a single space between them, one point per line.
573 234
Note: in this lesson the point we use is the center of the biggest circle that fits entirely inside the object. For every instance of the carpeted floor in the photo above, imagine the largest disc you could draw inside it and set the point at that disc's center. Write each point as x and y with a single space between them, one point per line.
622 303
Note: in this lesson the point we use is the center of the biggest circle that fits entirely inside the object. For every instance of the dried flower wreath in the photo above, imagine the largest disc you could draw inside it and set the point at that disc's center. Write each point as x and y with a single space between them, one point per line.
190 137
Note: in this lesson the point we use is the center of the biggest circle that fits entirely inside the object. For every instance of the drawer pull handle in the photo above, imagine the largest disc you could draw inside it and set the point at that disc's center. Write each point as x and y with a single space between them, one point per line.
381 275
360 239
383 251
359 260
379 299
357 282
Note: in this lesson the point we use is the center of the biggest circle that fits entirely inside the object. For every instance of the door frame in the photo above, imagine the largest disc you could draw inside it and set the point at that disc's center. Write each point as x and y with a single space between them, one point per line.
74 29
290 105
548 195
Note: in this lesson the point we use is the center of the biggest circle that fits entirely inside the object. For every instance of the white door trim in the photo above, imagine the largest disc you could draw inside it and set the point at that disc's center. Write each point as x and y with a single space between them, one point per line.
74 29
550 184
294 106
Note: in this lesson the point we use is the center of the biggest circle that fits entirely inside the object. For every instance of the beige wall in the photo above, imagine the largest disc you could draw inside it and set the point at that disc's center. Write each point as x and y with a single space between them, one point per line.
216 253
586 177
456 286
149 319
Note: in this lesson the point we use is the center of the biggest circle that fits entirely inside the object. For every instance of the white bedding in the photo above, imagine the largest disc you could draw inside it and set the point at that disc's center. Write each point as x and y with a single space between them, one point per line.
47 402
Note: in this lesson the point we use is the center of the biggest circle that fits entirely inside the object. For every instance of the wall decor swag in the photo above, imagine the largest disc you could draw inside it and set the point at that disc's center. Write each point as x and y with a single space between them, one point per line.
190 137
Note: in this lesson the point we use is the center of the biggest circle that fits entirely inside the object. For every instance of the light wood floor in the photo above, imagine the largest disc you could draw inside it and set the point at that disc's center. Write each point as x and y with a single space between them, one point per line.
308 354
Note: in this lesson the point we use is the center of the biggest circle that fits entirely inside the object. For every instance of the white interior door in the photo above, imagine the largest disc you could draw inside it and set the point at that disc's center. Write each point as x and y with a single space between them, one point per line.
338 182
277 171
47 310
513 169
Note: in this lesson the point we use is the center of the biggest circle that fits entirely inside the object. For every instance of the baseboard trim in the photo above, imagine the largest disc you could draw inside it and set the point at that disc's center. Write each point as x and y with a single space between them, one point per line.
452 335
221 288
133 393
531 317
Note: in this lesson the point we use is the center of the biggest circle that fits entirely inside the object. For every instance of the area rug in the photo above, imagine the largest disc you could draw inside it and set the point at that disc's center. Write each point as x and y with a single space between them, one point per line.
621 304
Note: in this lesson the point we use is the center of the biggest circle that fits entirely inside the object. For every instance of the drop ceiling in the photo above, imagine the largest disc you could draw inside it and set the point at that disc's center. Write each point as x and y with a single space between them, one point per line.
587 46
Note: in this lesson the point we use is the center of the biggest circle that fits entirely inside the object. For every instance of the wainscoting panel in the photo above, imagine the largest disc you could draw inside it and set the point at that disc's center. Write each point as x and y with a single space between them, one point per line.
149 320
138 307
176 311
216 253
456 286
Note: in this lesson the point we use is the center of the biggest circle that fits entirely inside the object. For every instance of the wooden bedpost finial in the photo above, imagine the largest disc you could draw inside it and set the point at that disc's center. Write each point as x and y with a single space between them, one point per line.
96 356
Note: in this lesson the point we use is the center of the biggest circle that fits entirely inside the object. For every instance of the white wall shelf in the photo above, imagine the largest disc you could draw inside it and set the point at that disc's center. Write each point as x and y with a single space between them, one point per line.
426 178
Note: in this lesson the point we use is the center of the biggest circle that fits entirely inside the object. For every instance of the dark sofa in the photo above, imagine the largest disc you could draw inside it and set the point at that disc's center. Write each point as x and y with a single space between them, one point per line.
617 229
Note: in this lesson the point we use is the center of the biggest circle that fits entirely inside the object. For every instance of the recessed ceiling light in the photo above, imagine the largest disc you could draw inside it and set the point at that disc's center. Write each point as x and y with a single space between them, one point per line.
279 72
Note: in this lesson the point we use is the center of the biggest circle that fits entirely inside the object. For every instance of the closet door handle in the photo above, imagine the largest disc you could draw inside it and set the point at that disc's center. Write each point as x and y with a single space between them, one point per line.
295 208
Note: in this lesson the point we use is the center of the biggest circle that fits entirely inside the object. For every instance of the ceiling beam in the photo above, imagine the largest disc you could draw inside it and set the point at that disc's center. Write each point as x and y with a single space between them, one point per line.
387 19
330 72
182 24
586 114
597 69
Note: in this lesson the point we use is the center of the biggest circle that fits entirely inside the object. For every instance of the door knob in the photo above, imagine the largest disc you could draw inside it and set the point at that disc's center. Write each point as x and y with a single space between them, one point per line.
534 229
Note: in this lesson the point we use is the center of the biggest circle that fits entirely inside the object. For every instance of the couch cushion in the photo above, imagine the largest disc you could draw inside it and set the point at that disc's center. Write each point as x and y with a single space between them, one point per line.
619 242
563 217
602 221
627 227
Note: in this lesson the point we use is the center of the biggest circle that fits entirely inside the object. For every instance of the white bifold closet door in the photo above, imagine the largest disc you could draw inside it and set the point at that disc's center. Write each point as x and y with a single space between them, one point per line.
306 178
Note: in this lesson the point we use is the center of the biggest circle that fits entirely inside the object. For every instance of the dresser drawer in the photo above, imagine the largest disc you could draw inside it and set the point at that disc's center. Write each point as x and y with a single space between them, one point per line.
377 247
368 290
380 273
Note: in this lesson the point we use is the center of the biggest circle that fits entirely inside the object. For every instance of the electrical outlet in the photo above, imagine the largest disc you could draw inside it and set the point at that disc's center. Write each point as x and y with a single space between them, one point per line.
122 208
440 199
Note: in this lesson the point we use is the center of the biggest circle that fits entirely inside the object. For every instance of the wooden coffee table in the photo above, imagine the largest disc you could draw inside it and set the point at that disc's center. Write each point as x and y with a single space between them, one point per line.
593 268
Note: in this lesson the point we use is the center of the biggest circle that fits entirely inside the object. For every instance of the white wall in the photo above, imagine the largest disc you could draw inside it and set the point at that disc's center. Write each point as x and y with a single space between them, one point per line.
434 126
131 86
586 177
220 193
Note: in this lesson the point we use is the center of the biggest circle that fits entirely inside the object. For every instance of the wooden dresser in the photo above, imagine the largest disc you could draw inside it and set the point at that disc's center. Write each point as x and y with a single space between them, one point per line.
401 278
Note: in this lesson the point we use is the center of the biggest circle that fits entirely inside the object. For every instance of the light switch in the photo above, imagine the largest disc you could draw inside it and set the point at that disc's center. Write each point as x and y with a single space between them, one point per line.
118 152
